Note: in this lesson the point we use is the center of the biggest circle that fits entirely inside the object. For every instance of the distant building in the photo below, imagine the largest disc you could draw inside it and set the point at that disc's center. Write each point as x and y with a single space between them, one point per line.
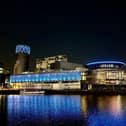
105 73
45 63
53 73
59 62
1 68
2 77
59 80
22 59
64 66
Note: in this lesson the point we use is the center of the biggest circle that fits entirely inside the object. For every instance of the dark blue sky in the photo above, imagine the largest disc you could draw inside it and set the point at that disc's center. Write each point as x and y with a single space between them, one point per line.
83 31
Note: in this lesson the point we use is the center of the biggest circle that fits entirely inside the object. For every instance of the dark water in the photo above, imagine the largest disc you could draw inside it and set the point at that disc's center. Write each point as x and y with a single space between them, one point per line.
62 110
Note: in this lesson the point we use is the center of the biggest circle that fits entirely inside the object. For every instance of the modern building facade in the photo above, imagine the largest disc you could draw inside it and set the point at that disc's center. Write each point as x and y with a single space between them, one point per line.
98 76
59 62
45 63
48 80
22 59
56 73
105 73
65 66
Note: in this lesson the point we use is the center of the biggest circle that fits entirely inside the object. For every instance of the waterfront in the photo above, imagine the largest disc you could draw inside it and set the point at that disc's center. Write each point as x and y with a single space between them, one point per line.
62 110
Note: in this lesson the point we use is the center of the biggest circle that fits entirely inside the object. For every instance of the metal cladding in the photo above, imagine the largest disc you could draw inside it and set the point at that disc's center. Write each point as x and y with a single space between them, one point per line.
23 49
22 59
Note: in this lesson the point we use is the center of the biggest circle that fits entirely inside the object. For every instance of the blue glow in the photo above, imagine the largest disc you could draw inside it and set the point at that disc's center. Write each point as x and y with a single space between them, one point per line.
63 110
44 110
105 62
46 77
23 49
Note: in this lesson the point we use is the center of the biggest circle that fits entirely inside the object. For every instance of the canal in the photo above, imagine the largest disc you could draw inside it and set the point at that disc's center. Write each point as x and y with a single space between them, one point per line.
62 110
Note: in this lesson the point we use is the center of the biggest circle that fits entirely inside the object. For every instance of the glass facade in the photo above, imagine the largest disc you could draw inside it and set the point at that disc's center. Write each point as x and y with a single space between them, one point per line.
106 72
46 77
108 76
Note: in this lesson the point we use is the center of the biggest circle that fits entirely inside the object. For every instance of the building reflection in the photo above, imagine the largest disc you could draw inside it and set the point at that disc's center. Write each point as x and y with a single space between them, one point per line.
44 110
111 103
68 110
83 104
86 103
115 105
103 110
3 110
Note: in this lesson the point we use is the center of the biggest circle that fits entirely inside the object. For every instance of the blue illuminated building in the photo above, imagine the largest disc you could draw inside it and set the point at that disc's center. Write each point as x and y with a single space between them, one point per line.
97 75
46 77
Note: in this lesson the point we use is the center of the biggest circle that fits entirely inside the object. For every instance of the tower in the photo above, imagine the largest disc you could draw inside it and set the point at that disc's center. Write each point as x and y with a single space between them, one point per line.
22 59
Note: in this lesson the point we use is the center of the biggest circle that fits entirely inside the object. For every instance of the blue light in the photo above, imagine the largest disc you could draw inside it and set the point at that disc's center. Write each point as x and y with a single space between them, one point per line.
23 78
46 77
42 78
44 110
105 62
32 78
11 79
36 76
29 77
23 49
60 76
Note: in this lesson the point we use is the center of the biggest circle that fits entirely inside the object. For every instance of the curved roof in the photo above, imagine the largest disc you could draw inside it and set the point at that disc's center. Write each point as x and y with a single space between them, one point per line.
105 62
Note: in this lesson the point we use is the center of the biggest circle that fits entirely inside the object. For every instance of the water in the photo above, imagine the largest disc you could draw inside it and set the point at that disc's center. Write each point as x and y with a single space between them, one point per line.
62 110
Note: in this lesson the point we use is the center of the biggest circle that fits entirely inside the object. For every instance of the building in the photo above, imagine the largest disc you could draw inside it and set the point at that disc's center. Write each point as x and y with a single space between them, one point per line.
22 59
105 73
59 62
60 80
2 77
1 68
65 66
45 63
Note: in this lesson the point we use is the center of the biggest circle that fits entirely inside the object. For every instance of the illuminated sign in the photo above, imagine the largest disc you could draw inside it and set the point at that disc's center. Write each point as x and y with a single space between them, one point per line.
23 49
107 66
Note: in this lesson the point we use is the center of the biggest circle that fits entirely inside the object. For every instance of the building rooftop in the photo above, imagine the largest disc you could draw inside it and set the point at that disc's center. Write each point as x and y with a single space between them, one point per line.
105 62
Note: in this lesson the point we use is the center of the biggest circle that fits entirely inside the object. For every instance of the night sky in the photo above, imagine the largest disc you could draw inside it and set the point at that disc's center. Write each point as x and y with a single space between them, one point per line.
83 31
